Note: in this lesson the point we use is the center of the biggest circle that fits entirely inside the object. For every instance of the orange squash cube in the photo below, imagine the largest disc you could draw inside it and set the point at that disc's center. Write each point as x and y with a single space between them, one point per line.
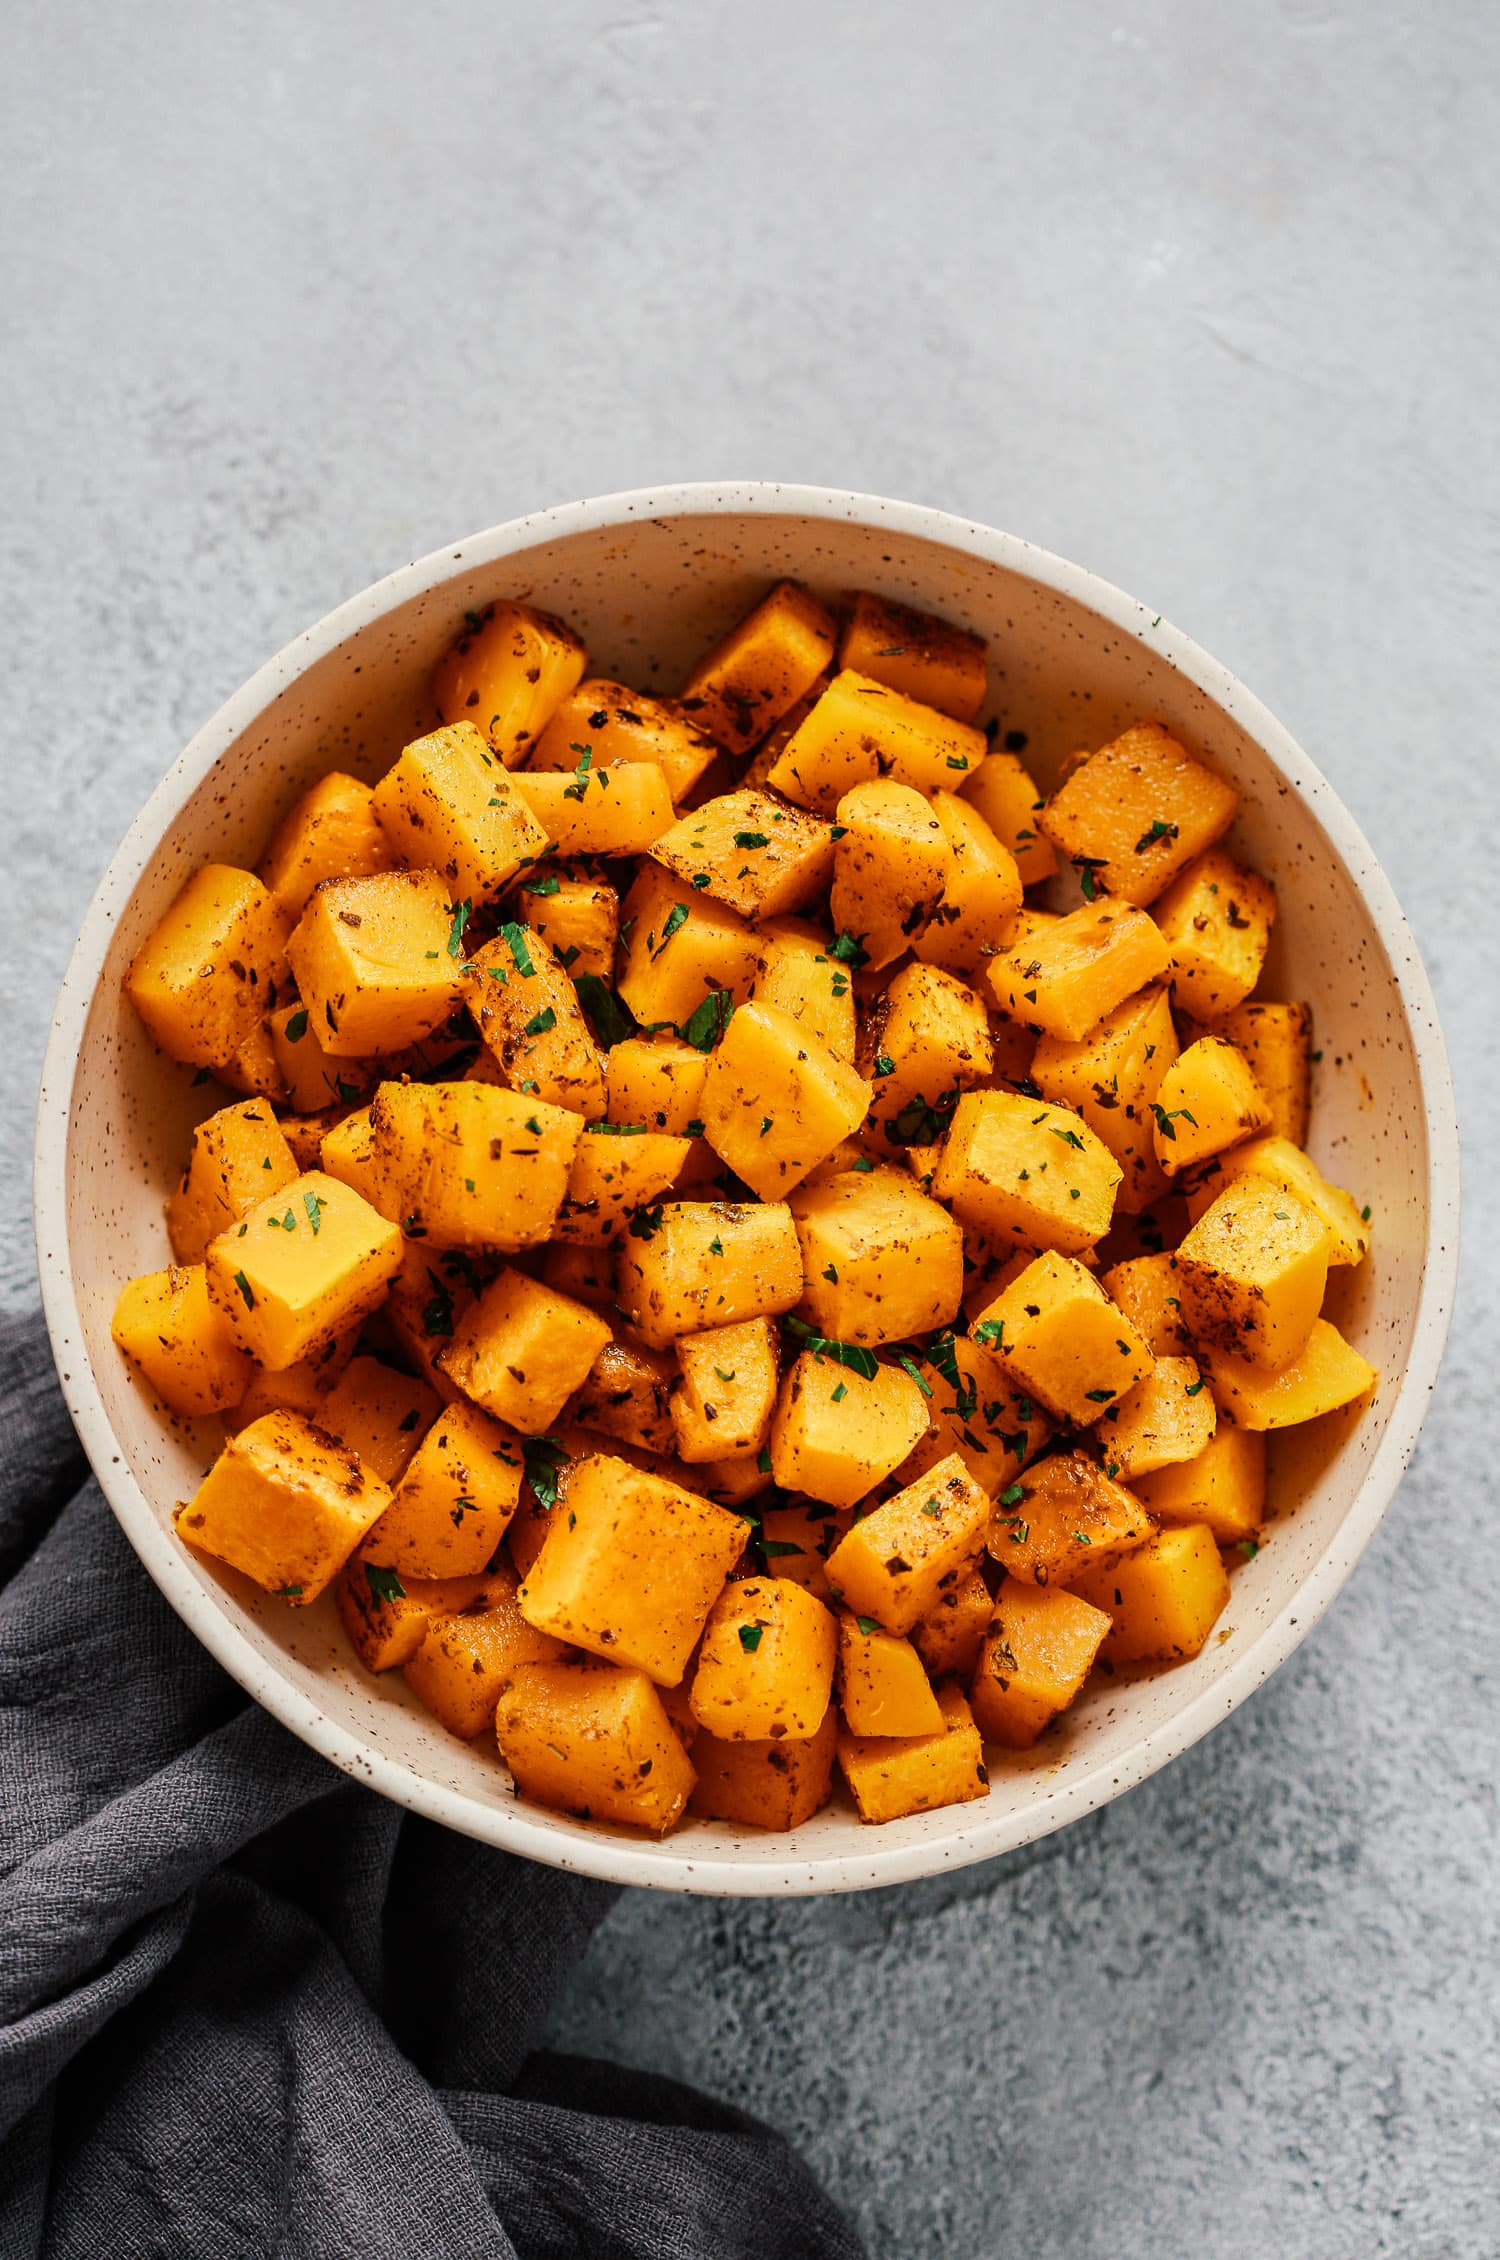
1063 979
166 1325
1138 811
891 865
446 804
522 1350
1004 793
452 1506
797 1539
915 653
764 1784
1164 1599
577 916
658 1082
981 896
948 1639
883 1689
1037 1654
1326 1373
387 1620
1276 1039
1252 1272
211 968
1063 1340
765 1663
379 1413
619 811
766 663
750 851
796 971
614 1175
1216 920
618 725
676 947
860 730
1060 1516
721 1408
378 961
775 1101
1146 1289
925 1040
1025 1172
632 1567
697 1264
465 1659
1207 1100
285 1504
528 1013
883 1262
238 1156
897 1561
331 833
836 1433
917 1773
596 1741
978 1409
627 1395
300 1268
1282 1164
1113 1078
508 674
1167 1417
467 1165
1224 1486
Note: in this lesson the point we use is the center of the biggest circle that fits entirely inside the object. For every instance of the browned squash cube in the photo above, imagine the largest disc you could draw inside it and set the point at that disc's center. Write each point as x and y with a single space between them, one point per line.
764 1784
1063 979
1216 921
452 1506
926 1039
522 1350
1146 1289
1138 811
1252 1272
628 1395
696 1264
658 1082
166 1325
948 1639
1036 1656
1224 1487
1005 795
757 854
915 653
508 674
211 968
837 1432
466 1165
578 916
917 1773
285 1504
596 1741
387 1620
1060 1516
1113 1078
618 1169
1063 1339
762 667
979 1410
238 1156
1028 1173
981 895
898 1560
618 725
599 811
465 1659
632 1568
725 1391
378 961
797 1539
765 1663
1164 1599
860 729
331 833
892 862
1169 1416
446 804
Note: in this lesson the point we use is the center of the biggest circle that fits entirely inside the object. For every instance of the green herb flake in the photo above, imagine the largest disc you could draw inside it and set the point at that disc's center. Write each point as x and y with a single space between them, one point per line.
384 1584
461 914
541 1023
314 1204
245 1289
750 1637
296 1027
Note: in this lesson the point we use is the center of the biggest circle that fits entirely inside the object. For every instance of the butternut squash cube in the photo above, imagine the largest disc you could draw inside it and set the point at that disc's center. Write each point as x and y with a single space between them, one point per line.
1004 793
446 804
948 1639
982 895
797 1539
285 1504
1170 1416
658 1082
314 1080
750 851
889 1778
1207 1100
775 1101
1252 1272
676 947
627 1395
348 1153
469 1165
697 1264
304 1134
1216 921
632 1568
211 968
595 1741
301 1267
897 1561
1064 979
331 833
522 1350
301 1388
1060 1516
619 725
1138 811
620 811
978 1409
882 1261
1327 1372
722 1406
380 1414
797 972
915 653
1224 1486
1145 1288
766 663
1113 1078
1282 1164
584 1272
238 1156
1063 1339
836 1432
1028 1173
860 730
528 1013
434 1288
577 916
254 1070
926 1039
165 1324
1037 1654
765 1663
466 1659
452 1506
1277 1041
764 1784
617 1171
387 1620
378 961
508 674
883 1689
891 867
1164 1599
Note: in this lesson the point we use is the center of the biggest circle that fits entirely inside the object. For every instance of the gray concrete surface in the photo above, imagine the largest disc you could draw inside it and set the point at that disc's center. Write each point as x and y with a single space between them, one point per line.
1199 294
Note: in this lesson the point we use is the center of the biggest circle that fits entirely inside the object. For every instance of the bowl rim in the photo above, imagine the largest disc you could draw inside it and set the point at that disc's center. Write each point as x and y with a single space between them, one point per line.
616 1858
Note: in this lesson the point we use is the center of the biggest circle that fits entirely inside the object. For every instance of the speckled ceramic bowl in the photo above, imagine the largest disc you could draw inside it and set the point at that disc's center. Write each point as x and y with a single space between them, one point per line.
649 579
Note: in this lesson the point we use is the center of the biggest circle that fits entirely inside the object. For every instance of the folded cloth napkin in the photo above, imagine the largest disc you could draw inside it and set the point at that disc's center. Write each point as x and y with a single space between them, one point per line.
248 2008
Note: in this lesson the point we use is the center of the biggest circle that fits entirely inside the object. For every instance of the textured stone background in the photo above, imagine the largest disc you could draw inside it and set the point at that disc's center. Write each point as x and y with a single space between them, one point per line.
1202 295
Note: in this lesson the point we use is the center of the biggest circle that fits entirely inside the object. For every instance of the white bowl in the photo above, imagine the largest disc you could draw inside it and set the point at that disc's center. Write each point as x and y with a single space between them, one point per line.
649 579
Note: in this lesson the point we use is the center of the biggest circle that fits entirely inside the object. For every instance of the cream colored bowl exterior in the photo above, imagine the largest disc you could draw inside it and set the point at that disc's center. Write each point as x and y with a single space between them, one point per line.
649 578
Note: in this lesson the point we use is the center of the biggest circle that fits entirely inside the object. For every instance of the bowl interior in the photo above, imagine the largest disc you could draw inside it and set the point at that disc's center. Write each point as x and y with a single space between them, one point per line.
648 591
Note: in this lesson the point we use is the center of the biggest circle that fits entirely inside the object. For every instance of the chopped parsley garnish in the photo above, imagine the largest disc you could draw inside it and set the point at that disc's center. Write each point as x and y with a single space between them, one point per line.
541 1023
751 840
847 950
245 1289
603 1010
296 1027
461 911
703 1027
750 1636
676 918
854 1355
543 1457
314 1205
384 1583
